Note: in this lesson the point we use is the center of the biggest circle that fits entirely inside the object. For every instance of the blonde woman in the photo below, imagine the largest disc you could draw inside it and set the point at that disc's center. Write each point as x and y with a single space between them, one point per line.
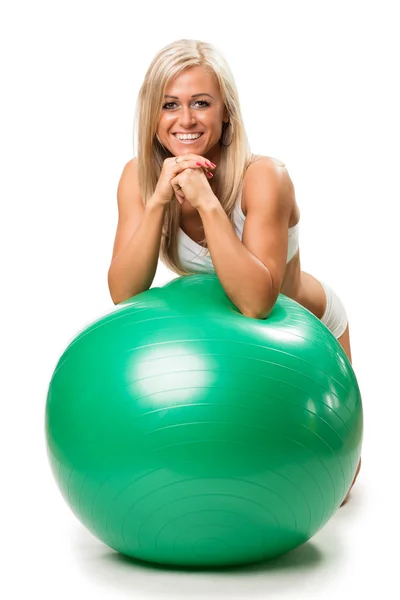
197 198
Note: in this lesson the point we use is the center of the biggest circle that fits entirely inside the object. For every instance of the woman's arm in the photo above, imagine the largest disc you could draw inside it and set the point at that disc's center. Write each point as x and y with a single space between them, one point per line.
251 271
137 241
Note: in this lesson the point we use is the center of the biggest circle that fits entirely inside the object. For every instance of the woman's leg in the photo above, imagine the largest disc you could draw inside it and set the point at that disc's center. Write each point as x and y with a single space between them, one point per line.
354 480
335 319
322 301
344 341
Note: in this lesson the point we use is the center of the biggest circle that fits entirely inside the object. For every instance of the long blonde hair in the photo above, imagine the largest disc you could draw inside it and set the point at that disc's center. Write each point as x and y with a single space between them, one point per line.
234 159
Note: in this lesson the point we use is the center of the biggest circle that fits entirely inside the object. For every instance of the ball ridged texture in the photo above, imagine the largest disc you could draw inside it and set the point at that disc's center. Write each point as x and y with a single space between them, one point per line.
182 432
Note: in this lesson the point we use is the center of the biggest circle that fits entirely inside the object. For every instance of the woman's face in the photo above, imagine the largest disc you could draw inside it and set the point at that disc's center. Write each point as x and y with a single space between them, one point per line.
183 113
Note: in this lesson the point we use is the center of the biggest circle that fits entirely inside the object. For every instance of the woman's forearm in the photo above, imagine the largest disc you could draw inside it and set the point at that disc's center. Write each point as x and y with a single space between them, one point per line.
132 270
245 279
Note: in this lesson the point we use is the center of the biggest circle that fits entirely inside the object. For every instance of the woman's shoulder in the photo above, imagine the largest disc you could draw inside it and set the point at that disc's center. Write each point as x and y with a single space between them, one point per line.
276 162
260 165
263 166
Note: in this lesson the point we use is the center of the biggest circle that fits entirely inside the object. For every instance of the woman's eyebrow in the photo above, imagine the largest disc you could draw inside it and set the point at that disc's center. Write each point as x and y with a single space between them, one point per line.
194 95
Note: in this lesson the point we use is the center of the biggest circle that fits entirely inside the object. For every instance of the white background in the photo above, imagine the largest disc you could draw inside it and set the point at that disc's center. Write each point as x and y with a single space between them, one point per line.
318 85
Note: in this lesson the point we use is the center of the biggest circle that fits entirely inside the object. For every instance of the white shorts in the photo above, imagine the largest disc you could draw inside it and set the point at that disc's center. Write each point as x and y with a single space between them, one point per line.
334 317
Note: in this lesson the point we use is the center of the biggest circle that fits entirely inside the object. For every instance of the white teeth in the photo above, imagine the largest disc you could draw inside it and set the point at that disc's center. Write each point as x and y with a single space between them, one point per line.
187 137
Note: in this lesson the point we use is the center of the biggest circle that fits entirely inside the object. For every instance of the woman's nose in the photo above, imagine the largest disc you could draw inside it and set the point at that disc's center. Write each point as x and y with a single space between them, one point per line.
186 118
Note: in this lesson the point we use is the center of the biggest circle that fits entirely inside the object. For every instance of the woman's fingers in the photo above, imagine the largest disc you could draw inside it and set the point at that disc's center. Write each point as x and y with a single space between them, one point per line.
197 165
188 162
181 199
196 161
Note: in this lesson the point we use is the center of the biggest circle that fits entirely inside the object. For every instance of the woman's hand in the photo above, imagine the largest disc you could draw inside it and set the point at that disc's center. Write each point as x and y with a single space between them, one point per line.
192 185
165 189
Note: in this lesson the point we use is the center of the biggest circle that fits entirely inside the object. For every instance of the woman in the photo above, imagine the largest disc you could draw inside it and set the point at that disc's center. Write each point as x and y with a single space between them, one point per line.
197 198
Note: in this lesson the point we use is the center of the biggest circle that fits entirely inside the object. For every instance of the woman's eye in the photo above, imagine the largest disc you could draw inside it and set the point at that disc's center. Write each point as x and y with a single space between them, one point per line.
204 102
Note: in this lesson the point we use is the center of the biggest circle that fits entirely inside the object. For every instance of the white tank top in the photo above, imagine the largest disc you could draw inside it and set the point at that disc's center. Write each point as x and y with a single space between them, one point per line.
196 258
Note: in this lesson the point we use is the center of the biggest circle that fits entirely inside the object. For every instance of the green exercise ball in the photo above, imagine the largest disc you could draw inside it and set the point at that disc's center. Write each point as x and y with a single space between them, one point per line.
182 432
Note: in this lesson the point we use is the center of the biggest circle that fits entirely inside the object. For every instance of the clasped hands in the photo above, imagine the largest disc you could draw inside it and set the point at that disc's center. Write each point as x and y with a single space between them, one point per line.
192 184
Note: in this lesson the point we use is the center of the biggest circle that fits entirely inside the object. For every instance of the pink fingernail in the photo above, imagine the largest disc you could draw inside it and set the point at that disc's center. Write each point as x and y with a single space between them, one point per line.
198 164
